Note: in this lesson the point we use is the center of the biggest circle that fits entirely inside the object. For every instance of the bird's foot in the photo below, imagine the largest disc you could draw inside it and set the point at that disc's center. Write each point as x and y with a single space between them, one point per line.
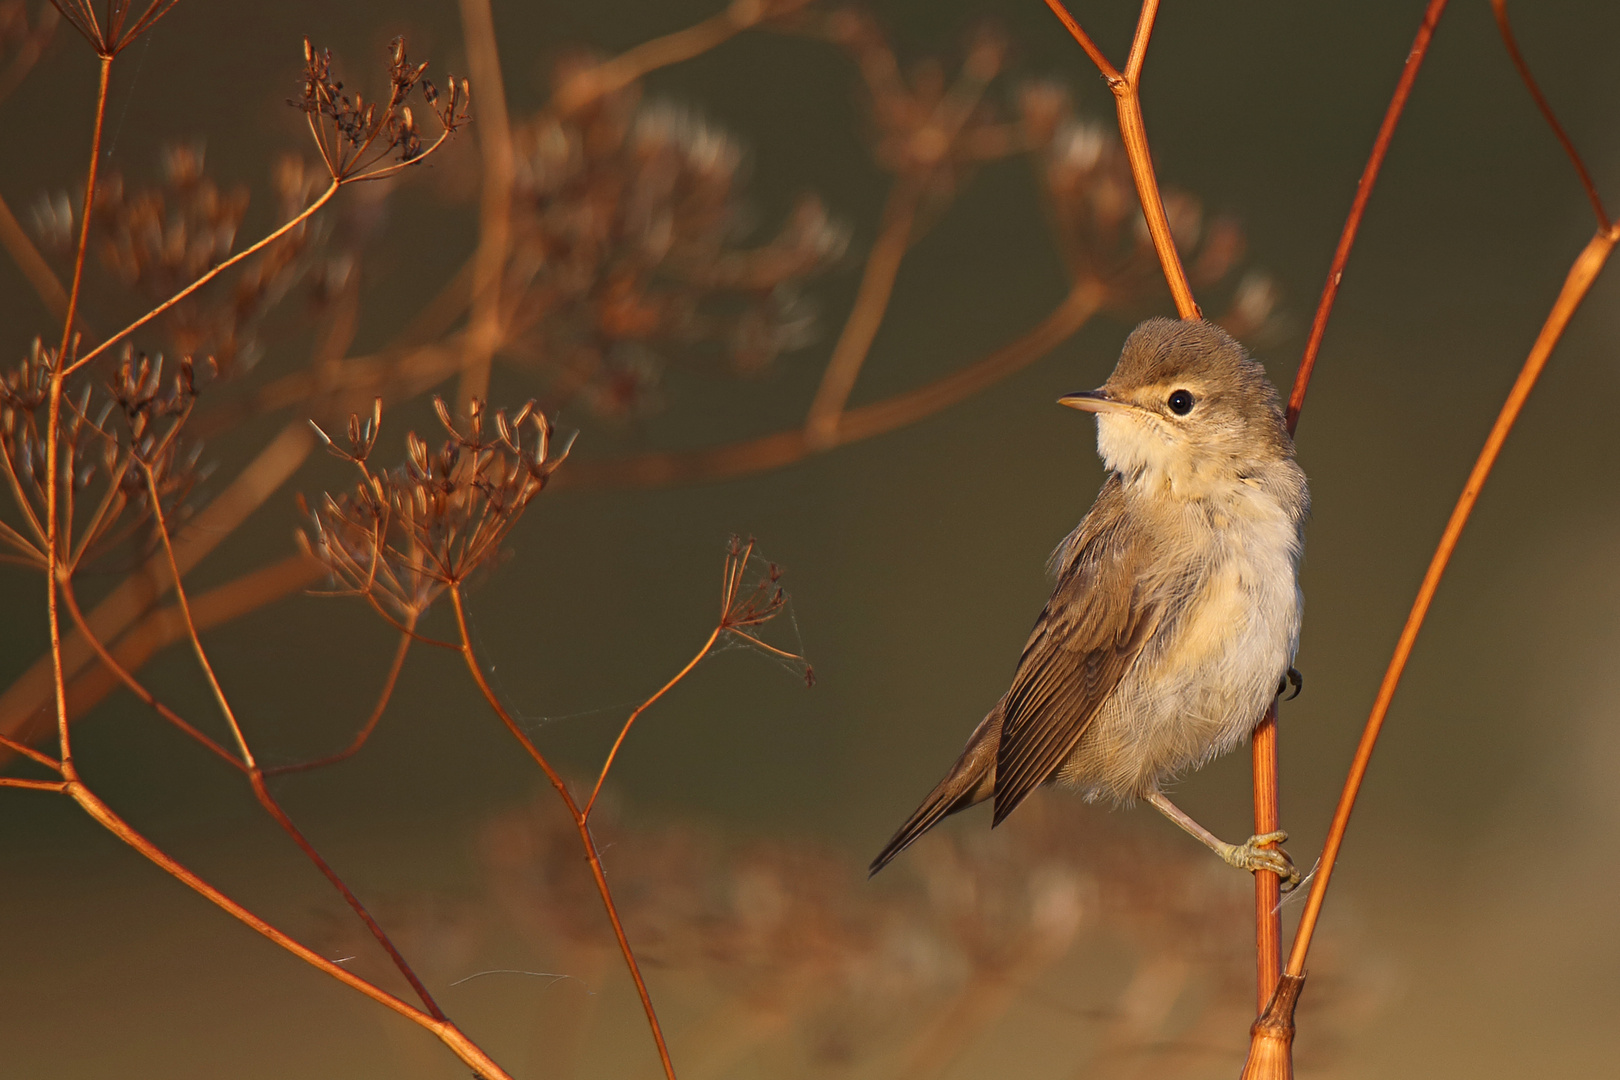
1256 853
1294 679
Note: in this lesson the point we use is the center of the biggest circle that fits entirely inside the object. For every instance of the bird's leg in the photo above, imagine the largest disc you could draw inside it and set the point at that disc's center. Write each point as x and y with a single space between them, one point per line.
1253 854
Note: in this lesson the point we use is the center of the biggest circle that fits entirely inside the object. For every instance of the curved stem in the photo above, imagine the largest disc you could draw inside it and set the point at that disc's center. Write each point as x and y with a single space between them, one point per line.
1358 207
607 765
1580 278
447 1033
581 824
302 216
389 682
871 301
863 422
1499 7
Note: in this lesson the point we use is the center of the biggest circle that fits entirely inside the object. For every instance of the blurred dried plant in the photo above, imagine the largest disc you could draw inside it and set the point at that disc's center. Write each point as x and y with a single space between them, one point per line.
796 963
626 219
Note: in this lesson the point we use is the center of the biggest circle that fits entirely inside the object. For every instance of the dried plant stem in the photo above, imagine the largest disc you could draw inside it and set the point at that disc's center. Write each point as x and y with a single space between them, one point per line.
447 1033
1499 8
256 776
84 221
581 824
495 206
132 598
1267 894
124 676
871 301
1358 207
864 422
1580 278
248 252
624 69
387 693
1267 885
607 763
34 785
53 544
1126 87
32 264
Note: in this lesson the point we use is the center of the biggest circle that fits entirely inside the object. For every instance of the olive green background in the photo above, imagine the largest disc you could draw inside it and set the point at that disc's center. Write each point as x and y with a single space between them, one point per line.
1482 863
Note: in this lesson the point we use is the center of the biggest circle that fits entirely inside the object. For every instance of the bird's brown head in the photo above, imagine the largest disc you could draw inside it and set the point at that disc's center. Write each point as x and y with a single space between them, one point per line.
1186 401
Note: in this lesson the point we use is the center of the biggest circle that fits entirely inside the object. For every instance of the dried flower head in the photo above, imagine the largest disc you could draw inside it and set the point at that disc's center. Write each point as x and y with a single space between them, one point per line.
400 537
356 136
748 605
930 130
117 443
625 253
113 32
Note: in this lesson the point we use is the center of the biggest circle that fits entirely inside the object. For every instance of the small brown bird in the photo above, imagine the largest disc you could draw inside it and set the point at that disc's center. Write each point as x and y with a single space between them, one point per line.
1176 610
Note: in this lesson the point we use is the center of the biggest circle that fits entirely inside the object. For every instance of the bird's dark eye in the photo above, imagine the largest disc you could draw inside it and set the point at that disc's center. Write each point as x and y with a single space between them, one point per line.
1181 402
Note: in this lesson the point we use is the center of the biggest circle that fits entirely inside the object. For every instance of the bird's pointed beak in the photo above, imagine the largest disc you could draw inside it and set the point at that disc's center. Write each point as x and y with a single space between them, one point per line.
1093 401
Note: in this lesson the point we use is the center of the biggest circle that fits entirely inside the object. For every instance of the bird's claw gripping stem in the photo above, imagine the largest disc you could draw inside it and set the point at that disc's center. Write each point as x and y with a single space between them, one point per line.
1256 853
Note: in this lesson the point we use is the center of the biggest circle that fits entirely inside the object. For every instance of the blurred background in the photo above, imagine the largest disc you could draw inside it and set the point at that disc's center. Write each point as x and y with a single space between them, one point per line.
1469 931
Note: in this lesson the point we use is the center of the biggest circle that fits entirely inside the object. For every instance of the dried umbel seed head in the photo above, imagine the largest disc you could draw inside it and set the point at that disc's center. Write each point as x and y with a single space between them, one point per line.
626 255
118 444
931 130
113 33
1104 238
357 137
401 537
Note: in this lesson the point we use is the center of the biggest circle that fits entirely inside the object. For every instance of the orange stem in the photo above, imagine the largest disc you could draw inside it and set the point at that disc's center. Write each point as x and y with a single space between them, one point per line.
1499 7
1126 88
302 216
447 1033
1358 207
1581 275
1267 895
1267 885
860 329
392 679
607 765
592 856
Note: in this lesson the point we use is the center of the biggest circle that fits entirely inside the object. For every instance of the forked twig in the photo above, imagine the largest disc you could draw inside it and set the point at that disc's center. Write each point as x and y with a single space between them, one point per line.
1267 895
1272 1035
1581 275
1126 88
581 824
261 791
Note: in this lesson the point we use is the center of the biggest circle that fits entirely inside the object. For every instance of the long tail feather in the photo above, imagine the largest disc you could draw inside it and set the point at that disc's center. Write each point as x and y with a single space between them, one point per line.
971 780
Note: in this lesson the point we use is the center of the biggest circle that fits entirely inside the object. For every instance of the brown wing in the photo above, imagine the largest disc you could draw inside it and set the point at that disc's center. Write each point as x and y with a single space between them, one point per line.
1086 638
